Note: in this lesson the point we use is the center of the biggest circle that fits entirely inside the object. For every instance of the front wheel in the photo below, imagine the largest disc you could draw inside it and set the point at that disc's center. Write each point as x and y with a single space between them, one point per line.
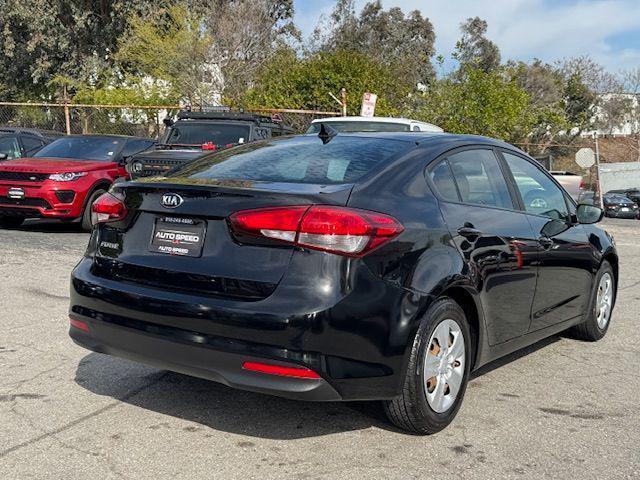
86 214
598 318
11 222
438 371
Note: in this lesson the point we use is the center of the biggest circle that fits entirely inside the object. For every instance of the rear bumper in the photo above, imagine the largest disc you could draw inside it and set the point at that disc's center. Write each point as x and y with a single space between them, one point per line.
162 349
355 345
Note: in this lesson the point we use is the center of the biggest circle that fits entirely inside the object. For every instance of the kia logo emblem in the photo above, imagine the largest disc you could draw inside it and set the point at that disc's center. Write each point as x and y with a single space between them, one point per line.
171 200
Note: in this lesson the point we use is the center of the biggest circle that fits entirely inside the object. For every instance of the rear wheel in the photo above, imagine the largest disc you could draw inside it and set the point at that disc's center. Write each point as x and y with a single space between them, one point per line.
86 215
438 371
11 222
597 322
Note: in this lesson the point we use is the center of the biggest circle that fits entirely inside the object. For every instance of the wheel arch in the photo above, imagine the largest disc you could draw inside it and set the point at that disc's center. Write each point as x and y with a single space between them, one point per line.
100 184
473 312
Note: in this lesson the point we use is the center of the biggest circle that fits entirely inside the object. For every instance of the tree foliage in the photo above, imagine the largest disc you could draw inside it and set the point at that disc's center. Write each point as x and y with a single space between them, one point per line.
291 82
40 39
474 49
482 103
402 42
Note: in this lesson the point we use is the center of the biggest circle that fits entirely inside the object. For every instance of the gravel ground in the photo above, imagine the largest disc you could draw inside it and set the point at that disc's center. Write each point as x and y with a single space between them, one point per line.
559 409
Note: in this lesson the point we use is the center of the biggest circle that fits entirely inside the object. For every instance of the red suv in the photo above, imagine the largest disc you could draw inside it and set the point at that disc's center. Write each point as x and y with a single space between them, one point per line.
64 178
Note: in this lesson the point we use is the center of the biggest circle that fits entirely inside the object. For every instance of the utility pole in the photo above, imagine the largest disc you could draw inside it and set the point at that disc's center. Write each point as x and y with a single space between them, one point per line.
67 116
600 195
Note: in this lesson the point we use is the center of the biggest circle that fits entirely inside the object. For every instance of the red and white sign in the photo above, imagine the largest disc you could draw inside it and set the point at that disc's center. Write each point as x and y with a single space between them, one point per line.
368 104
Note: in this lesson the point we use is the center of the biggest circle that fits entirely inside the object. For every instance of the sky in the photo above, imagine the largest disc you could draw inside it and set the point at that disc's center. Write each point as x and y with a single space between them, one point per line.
606 30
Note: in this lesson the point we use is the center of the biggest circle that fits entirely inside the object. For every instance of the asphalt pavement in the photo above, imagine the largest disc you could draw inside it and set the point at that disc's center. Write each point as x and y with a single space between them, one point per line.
560 409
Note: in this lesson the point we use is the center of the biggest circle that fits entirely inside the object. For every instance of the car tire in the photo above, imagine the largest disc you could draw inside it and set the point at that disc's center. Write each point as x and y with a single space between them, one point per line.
11 222
85 222
417 408
595 326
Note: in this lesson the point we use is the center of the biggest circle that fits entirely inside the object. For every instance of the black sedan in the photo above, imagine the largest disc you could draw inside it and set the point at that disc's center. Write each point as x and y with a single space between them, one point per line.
344 267
618 205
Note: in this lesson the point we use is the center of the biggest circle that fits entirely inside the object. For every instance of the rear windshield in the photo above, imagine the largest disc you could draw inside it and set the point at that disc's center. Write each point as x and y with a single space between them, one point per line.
301 159
83 148
363 126
187 133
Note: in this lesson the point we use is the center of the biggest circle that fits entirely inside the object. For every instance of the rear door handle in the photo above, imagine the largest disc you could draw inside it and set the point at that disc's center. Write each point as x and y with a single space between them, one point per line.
469 232
545 242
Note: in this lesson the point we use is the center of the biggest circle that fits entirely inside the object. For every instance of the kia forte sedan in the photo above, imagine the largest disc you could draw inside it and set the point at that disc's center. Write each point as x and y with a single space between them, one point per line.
337 266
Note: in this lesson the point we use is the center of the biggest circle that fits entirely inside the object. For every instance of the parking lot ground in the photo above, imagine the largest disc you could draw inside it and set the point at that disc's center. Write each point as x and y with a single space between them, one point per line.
561 409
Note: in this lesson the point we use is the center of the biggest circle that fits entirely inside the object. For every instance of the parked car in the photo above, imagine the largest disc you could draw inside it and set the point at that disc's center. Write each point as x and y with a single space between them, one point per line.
619 206
373 124
62 180
344 267
589 197
632 193
571 182
197 133
17 142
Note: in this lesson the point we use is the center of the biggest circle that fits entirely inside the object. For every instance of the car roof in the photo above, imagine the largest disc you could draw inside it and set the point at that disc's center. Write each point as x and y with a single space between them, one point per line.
9 129
430 138
398 120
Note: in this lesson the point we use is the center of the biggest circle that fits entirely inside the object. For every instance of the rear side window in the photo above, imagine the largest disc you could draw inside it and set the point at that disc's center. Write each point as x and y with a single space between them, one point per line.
474 177
295 160
442 178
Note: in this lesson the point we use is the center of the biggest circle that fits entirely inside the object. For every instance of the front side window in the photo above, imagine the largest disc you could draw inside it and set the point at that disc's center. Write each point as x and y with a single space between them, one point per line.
9 146
478 178
541 196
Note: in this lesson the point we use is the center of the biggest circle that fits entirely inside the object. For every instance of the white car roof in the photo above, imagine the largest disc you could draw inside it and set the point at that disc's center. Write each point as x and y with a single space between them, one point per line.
425 127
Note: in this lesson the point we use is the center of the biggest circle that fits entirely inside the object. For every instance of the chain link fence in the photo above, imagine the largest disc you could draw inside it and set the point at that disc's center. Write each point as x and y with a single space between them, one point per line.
144 121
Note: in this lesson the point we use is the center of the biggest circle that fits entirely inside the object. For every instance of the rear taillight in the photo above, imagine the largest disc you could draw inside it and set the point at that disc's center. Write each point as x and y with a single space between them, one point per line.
581 185
107 208
340 230
209 146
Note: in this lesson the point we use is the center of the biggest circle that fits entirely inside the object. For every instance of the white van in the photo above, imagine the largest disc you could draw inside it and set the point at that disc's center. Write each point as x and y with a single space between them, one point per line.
373 124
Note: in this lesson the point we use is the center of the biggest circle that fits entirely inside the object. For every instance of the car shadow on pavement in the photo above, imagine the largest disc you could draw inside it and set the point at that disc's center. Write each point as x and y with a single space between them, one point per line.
222 408
51 226
219 407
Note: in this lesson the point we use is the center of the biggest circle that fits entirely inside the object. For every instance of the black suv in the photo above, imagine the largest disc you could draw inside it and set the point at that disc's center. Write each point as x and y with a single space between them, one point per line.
197 133
17 142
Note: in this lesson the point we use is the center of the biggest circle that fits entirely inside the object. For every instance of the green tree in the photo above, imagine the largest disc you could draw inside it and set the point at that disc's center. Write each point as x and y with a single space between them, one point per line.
290 82
545 86
171 47
40 39
474 49
480 103
402 42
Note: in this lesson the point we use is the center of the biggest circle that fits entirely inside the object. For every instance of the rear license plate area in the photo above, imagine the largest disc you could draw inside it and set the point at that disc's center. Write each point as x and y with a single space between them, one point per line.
178 236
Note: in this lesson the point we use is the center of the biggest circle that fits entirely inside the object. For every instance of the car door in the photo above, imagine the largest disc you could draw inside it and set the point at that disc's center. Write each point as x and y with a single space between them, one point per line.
492 235
565 255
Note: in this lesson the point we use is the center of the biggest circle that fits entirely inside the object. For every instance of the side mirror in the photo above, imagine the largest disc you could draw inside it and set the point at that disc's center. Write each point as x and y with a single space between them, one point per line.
3 156
587 214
